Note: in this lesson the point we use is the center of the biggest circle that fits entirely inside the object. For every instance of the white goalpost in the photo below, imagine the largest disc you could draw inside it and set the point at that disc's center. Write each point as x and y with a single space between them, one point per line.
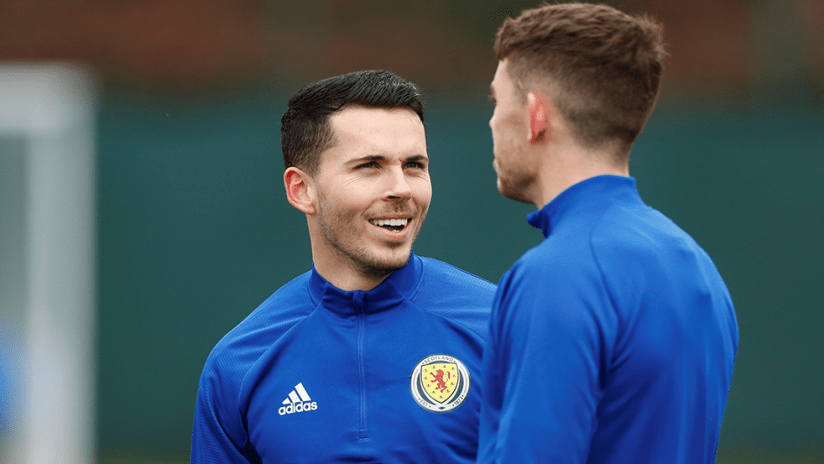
47 263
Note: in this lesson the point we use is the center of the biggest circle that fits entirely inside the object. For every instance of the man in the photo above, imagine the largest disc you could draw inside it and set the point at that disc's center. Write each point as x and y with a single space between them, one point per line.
613 340
373 355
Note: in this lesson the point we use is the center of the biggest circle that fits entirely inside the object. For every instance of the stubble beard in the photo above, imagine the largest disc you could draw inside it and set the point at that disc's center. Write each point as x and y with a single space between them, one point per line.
363 260
515 184
515 192
514 180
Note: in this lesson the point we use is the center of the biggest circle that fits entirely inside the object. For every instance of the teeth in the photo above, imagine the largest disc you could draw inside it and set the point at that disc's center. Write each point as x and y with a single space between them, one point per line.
391 222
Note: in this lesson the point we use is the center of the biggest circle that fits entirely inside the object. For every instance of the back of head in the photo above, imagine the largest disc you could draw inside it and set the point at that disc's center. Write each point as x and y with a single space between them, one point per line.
305 130
601 67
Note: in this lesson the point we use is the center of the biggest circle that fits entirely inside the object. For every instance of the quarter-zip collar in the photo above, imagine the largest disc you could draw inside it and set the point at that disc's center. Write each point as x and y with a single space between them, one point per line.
591 195
394 289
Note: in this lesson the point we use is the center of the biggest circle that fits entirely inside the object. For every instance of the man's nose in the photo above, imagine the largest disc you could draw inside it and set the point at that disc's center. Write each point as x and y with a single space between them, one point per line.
398 185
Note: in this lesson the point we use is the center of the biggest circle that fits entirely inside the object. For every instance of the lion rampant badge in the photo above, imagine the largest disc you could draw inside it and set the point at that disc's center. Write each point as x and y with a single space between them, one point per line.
439 383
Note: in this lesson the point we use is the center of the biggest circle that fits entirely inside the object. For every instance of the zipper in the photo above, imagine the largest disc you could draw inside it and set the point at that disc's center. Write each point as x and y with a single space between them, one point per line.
359 300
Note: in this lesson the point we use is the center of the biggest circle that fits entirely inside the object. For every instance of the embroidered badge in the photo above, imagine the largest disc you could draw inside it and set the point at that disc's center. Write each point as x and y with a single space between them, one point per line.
439 383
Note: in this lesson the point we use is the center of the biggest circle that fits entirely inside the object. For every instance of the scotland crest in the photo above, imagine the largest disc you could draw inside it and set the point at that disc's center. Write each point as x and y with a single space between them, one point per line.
439 383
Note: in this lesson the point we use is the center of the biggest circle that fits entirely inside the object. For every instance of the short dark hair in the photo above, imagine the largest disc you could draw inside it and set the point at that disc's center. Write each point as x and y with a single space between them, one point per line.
603 66
305 130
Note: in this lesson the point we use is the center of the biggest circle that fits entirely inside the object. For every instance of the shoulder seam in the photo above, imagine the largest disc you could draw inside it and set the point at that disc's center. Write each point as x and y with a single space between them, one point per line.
597 260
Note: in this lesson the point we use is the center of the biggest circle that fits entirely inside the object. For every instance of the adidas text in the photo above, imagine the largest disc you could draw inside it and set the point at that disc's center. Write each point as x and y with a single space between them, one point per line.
298 407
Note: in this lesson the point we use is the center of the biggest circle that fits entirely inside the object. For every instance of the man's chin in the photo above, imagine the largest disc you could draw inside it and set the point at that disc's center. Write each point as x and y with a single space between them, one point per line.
512 193
380 268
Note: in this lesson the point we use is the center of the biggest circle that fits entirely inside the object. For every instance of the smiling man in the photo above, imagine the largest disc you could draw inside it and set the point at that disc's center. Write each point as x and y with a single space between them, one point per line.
374 354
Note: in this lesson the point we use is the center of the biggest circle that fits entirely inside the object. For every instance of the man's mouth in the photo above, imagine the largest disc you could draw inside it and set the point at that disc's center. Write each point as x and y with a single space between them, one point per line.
391 224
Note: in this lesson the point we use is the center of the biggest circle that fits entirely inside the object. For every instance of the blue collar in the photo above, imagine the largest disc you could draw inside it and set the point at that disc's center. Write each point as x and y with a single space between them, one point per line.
391 292
593 194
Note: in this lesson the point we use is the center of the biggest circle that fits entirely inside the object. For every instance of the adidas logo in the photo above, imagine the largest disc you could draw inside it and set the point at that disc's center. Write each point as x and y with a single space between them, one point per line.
297 401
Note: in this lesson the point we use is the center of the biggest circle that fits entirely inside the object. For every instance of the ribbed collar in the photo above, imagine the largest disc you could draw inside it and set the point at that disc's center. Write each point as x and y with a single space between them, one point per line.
593 195
391 292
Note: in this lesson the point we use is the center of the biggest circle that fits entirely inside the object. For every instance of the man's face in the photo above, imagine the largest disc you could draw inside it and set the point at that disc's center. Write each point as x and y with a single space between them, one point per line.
373 188
510 135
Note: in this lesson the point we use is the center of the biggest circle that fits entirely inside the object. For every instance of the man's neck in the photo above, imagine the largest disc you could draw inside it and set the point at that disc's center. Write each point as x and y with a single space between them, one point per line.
352 281
564 169
338 271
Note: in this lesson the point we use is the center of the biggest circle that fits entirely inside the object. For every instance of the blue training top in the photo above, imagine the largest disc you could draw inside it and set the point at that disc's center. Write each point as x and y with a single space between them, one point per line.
320 375
612 341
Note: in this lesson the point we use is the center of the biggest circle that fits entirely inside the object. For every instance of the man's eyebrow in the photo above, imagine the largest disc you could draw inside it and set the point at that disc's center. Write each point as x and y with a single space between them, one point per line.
366 159
371 158
417 158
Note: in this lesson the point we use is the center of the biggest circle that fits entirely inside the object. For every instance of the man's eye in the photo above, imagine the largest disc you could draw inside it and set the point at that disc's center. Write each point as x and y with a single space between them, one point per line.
371 164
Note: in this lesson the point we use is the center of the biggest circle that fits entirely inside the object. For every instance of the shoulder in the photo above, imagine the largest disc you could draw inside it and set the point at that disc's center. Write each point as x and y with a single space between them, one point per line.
639 234
642 248
437 273
625 231
240 348
562 273
457 295
557 273
217 412
559 259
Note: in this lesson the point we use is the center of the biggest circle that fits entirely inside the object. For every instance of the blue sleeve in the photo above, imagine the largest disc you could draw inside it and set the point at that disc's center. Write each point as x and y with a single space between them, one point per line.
218 435
542 365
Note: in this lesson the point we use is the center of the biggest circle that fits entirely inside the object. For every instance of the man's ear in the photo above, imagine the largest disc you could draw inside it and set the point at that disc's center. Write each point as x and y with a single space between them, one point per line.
539 114
300 189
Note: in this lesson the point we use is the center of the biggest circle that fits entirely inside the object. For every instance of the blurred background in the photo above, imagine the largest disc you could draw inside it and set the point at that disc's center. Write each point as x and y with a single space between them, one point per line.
190 229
